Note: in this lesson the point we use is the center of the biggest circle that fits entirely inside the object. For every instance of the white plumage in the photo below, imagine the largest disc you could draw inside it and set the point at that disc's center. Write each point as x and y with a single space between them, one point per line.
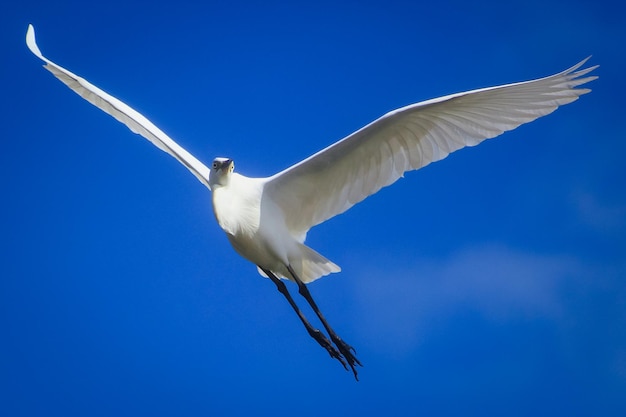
267 219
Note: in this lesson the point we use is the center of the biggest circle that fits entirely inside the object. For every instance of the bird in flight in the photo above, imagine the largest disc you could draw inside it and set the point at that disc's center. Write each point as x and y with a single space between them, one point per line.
266 220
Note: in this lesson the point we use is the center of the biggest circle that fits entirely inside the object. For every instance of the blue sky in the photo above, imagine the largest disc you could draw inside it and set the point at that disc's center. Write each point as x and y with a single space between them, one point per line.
489 283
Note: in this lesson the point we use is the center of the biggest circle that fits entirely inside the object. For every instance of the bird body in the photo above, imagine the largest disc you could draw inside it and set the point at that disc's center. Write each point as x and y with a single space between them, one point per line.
267 219
255 226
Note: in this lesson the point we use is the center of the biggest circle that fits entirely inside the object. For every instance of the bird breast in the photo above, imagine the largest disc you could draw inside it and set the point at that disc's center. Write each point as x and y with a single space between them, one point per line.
237 206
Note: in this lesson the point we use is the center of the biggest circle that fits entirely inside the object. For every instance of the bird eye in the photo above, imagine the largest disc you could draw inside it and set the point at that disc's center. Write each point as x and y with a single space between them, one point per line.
214 165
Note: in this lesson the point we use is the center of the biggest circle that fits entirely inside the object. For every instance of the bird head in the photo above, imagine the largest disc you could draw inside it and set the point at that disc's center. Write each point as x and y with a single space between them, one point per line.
220 171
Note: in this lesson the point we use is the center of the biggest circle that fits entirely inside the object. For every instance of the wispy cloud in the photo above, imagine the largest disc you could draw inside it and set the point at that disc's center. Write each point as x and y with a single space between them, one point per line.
600 215
497 282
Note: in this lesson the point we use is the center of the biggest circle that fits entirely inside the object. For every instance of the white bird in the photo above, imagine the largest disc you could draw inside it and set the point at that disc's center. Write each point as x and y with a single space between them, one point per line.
266 219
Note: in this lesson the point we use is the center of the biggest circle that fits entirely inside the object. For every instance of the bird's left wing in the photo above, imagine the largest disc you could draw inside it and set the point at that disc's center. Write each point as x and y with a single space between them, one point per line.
334 179
135 121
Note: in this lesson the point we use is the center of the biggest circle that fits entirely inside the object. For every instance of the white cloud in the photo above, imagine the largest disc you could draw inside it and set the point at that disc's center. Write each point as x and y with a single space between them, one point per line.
600 215
398 305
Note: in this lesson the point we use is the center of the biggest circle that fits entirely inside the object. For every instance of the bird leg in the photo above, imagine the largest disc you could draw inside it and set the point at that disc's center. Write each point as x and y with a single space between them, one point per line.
313 332
346 350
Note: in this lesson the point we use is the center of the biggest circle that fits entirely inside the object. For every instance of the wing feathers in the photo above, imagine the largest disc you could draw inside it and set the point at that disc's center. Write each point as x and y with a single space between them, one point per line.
345 173
135 121
336 178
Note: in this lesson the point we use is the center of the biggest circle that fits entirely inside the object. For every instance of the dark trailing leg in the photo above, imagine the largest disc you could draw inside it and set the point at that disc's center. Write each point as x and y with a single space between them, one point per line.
346 350
313 332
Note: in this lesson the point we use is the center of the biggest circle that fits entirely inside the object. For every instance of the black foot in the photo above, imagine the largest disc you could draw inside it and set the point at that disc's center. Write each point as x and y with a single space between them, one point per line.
348 354
325 343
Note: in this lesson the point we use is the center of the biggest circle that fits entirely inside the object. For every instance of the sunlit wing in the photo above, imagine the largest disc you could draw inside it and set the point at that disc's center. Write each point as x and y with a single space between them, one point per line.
135 121
336 178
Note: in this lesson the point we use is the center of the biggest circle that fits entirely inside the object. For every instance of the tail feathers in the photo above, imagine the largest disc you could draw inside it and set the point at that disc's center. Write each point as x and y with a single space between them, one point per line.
309 266
312 265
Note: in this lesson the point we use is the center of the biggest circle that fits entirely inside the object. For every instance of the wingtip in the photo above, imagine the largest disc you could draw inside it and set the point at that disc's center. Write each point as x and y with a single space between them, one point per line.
31 42
572 70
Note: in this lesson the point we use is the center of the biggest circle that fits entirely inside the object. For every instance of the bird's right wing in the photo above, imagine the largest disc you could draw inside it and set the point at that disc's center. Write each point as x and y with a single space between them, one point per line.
135 121
336 178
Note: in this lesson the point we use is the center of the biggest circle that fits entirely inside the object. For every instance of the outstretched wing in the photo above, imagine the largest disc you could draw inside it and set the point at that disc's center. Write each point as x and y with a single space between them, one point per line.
135 121
336 178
